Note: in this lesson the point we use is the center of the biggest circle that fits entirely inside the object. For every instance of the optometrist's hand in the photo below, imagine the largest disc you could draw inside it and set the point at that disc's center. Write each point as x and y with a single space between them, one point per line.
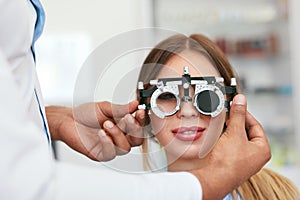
240 153
91 128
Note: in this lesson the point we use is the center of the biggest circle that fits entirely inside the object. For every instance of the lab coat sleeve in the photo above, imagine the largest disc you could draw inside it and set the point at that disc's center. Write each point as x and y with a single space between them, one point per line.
91 183
29 172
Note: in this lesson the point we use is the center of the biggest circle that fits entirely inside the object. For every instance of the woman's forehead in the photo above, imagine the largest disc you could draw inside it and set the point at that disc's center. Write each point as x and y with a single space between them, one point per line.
198 64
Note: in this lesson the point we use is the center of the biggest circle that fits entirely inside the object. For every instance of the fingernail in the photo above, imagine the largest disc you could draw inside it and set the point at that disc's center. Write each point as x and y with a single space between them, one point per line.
102 133
239 100
108 124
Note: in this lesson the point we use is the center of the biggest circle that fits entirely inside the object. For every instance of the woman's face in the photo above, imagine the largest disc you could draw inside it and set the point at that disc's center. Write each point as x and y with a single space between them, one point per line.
188 134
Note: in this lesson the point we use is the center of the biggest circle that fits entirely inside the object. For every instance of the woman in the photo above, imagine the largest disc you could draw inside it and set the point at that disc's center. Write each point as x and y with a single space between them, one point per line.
185 120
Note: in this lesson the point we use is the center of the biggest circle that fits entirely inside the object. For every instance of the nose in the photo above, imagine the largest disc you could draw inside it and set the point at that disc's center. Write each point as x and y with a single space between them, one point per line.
187 110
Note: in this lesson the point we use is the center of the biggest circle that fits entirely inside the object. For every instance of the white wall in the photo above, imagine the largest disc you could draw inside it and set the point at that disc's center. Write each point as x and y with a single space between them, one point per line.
101 19
73 30
295 58
295 61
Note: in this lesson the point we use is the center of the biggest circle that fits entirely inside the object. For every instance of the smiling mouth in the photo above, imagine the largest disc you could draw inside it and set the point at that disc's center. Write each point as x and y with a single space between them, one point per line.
188 133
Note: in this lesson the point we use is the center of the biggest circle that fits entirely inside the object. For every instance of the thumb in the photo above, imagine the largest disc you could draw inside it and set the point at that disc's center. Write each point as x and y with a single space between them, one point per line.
237 115
255 129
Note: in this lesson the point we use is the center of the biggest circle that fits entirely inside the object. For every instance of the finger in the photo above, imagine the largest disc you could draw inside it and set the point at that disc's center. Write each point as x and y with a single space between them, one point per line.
119 139
254 129
110 110
237 115
108 148
257 136
122 125
134 131
140 117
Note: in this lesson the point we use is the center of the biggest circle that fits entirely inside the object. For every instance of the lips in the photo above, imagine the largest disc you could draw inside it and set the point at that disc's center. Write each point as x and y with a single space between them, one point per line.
188 133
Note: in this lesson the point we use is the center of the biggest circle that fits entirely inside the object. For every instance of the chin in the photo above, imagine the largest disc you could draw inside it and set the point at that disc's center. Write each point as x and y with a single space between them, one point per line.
194 154
191 152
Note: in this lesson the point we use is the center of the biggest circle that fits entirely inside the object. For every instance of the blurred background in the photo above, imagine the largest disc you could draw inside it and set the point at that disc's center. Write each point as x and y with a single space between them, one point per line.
260 38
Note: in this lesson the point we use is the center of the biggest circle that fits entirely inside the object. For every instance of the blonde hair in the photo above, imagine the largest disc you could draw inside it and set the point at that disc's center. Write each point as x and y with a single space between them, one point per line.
266 184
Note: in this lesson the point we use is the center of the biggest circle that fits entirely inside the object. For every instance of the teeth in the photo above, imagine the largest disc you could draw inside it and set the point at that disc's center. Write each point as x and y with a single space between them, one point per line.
188 132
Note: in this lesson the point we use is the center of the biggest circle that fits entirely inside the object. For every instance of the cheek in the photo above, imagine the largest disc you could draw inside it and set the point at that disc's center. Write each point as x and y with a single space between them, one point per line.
213 133
157 123
160 129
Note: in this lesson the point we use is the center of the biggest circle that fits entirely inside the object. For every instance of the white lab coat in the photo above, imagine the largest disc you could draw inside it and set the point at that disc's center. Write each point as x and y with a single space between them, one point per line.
27 168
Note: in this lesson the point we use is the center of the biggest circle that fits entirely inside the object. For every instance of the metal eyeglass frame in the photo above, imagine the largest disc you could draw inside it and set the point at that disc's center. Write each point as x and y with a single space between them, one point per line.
171 85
